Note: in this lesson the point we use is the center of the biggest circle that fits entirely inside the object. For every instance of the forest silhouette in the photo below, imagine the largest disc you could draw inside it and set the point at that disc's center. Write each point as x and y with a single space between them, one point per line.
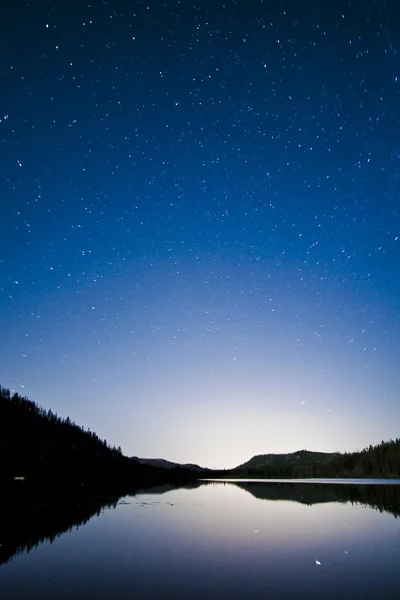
41 451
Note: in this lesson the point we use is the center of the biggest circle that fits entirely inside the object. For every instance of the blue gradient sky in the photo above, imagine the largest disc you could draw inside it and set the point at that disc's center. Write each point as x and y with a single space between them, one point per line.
200 222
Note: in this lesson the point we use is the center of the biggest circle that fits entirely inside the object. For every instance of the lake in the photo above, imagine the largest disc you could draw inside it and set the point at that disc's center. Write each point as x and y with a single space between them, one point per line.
246 539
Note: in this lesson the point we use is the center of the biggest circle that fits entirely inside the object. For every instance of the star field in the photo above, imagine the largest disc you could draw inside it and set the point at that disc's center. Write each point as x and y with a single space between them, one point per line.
200 222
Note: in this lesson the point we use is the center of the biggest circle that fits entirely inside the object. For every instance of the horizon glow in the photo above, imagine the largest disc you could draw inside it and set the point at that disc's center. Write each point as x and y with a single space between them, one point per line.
200 224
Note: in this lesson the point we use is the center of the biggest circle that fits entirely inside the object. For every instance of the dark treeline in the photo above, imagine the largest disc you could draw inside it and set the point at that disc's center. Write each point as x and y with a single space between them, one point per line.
52 454
381 461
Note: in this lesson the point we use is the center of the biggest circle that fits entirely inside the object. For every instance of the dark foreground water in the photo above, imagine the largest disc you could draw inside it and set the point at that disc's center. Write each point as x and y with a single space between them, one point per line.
221 540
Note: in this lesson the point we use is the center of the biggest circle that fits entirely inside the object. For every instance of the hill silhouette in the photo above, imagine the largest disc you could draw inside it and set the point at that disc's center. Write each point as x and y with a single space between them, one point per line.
302 458
167 464
380 461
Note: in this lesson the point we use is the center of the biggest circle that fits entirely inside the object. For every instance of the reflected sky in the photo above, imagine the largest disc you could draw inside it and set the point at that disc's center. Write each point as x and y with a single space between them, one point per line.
213 540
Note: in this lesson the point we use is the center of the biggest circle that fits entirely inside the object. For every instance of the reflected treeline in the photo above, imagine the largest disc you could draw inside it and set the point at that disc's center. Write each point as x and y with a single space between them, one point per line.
385 498
23 529
25 524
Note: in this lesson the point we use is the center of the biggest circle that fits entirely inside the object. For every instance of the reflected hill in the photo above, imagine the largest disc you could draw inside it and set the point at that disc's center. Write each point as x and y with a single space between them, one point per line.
385 498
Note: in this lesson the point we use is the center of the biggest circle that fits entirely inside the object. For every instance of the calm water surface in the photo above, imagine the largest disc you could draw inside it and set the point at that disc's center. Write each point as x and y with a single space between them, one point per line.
224 540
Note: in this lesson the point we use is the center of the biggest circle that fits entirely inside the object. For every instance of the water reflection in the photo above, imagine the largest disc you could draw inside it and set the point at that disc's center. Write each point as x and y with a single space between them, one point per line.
21 531
385 498
26 522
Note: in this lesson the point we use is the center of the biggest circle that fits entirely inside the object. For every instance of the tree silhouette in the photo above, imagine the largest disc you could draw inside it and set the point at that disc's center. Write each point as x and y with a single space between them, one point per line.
48 450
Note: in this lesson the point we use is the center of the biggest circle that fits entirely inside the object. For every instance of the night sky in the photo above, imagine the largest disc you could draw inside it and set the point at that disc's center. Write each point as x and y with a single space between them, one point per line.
200 222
